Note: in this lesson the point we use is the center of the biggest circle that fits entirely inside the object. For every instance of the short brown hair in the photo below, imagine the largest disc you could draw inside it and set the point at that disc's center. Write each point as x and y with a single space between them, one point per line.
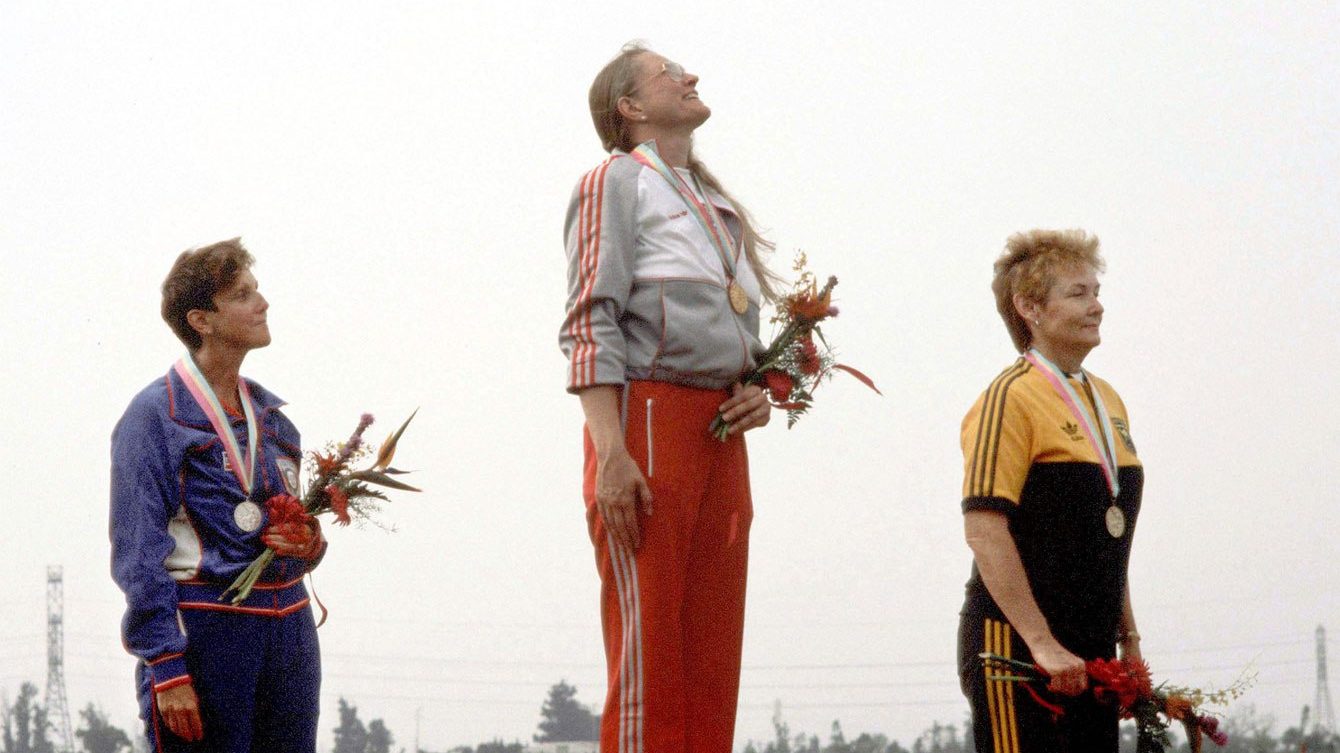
197 276
1028 268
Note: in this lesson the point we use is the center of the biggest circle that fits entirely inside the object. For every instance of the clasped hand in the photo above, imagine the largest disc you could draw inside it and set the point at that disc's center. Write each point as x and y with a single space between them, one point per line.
747 408
301 540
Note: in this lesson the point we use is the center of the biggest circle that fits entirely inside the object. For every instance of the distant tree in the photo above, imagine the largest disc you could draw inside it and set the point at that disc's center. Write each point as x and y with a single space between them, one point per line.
894 747
940 738
350 736
867 743
25 725
837 742
21 717
6 725
498 746
781 741
41 731
563 719
379 737
97 735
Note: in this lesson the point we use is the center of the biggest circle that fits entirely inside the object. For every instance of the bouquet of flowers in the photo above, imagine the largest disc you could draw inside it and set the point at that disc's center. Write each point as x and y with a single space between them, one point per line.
335 488
794 365
1126 684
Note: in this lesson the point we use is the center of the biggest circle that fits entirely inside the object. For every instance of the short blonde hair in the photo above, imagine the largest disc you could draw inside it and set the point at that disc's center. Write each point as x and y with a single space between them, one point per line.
1028 268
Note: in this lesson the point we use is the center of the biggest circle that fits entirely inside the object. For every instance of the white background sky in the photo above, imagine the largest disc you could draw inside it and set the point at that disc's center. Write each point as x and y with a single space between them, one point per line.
400 171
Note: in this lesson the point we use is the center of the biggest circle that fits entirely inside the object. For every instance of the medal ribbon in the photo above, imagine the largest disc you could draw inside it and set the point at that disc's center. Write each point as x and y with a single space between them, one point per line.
209 403
1107 454
705 215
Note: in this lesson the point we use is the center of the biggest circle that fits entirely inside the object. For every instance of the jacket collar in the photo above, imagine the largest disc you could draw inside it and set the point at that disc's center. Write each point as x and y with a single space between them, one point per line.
183 408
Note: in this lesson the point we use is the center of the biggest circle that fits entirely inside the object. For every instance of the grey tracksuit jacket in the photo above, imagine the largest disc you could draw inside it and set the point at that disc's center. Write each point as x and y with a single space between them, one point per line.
647 289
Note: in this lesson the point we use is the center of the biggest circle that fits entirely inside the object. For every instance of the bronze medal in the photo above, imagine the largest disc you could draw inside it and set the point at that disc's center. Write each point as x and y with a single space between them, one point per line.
739 301
1116 521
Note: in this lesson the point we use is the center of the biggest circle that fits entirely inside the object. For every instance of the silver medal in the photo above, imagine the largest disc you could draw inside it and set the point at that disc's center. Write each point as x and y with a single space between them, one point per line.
247 516
1116 521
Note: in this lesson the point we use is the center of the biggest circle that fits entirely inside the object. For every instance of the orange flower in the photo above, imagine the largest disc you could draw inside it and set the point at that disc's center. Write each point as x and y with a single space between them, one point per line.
810 306
1176 706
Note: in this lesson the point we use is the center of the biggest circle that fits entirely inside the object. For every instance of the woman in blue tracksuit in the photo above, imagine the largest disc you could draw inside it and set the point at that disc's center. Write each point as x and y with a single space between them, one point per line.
194 459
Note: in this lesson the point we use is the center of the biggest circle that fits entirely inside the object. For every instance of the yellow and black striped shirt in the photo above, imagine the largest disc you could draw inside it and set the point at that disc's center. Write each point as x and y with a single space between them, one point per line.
1024 454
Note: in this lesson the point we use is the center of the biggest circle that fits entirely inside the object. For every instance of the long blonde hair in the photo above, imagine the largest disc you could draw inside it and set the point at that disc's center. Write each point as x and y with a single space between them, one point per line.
616 81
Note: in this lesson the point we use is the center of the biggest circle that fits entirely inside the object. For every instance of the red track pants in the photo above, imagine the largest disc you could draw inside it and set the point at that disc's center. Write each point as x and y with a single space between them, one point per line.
673 612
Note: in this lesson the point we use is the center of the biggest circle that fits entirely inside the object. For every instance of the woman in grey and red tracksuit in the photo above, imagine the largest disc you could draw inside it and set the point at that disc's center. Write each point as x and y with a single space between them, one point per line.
194 459
664 287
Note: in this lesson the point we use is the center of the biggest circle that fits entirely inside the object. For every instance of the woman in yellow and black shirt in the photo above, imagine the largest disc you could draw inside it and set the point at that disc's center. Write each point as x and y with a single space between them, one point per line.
1051 492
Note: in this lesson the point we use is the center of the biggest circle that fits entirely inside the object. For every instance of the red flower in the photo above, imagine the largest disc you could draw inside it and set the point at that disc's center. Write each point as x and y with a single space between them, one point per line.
285 509
339 504
1139 670
809 357
1113 681
779 384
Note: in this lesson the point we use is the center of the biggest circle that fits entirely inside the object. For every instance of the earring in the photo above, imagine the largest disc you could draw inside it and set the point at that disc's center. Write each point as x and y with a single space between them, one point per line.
1037 322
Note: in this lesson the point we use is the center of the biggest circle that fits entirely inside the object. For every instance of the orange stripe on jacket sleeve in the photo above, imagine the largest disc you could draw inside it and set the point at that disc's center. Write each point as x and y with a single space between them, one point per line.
575 329
588 241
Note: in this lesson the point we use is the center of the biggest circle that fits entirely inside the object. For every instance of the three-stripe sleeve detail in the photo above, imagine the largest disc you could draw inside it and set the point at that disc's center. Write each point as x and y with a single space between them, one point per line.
588 243
986 448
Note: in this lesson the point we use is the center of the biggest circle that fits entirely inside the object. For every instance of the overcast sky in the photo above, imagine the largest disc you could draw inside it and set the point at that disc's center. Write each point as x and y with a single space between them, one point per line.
401 171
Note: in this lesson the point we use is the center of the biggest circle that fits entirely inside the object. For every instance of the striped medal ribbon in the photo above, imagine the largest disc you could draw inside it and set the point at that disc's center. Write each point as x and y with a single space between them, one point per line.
707 217
1106 452
247 514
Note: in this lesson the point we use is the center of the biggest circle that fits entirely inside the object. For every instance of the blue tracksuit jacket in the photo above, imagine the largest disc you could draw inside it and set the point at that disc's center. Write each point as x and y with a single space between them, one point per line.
175 544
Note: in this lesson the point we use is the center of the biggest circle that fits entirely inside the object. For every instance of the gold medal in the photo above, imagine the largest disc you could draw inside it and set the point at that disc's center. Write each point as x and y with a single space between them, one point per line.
739 301
1116 521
